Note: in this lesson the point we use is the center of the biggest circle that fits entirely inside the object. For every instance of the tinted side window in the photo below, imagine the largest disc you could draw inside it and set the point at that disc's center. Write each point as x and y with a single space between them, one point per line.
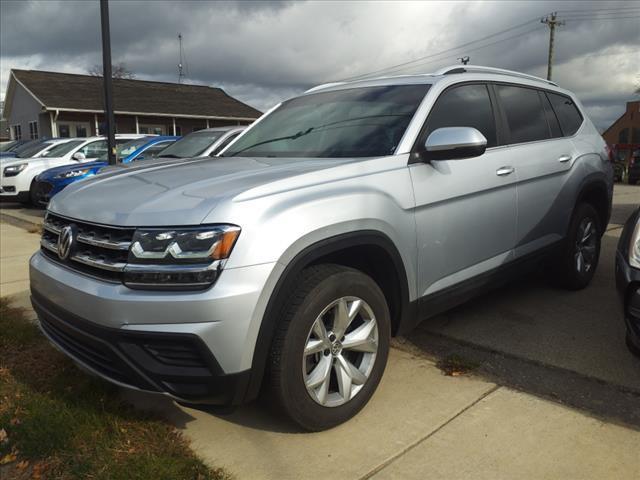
567 113
525 115
464 106
552 120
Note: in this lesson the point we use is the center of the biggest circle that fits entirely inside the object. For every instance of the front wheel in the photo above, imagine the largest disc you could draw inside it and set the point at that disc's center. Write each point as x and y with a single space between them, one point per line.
331 348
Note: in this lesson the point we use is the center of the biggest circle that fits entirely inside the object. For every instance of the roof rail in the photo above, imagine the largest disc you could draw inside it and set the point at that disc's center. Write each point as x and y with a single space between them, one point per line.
324 85
498 71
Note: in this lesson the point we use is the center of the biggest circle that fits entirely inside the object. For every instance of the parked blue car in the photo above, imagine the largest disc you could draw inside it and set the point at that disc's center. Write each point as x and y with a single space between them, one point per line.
52 181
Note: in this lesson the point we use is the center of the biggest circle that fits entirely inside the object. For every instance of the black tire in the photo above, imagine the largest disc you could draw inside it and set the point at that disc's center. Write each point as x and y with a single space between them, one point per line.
33 196
567 272
317 287
633 348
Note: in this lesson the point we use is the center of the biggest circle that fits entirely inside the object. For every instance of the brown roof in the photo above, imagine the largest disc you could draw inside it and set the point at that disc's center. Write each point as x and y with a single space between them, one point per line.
84 92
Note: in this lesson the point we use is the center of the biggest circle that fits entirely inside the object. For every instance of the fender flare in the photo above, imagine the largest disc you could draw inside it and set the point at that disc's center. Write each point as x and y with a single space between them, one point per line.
286 283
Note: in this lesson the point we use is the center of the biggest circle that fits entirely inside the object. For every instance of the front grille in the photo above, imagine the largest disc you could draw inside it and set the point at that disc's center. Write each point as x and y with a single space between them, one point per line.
99 251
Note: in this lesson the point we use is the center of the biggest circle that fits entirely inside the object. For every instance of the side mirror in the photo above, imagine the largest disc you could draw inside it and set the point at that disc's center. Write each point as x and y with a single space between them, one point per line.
452 143
79 156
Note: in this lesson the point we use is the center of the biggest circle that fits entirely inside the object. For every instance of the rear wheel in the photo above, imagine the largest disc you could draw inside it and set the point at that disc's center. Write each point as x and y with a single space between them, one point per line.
577 264
331 348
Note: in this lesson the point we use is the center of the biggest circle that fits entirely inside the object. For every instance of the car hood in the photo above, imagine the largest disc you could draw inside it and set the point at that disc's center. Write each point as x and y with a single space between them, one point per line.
174 193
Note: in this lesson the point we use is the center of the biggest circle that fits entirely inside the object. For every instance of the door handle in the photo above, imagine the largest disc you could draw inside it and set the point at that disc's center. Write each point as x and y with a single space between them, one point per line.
502 171
564 158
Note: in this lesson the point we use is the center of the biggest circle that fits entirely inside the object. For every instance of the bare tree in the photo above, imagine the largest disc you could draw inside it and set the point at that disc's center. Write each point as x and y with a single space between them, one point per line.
118 70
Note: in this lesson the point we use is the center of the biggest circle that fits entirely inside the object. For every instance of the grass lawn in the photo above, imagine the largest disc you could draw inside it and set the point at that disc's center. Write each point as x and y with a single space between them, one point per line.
56 422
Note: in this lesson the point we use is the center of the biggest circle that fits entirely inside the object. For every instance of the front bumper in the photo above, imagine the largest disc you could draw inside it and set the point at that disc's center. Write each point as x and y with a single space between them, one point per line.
43 192
195 346
628 285
178 364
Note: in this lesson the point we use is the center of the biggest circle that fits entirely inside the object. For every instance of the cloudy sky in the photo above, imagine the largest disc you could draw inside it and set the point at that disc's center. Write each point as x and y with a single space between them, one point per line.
264 52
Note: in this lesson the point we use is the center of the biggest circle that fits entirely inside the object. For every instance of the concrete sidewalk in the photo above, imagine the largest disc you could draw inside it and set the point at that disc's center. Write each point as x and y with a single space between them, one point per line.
16 247
419 424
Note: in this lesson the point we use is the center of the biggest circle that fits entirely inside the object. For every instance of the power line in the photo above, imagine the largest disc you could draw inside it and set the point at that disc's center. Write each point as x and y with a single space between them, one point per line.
480 47
595 10
392 67
598 19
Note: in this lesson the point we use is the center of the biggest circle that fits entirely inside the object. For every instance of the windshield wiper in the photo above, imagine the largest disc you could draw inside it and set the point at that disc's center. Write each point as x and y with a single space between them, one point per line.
271 140
170 155
316 128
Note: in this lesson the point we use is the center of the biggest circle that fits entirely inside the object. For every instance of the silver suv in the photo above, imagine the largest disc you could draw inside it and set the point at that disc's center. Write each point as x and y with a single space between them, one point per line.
342 217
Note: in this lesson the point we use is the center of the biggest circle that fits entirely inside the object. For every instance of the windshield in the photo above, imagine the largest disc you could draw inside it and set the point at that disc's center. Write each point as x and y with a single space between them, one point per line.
192 145
25 145
32 150
8 146
125 149
356 122
62 149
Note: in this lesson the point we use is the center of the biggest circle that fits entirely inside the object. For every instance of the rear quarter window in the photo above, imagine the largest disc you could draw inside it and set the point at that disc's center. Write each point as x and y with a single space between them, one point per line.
568 114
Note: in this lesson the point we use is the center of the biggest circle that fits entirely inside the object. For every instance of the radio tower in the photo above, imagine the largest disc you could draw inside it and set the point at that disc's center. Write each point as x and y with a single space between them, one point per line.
180 72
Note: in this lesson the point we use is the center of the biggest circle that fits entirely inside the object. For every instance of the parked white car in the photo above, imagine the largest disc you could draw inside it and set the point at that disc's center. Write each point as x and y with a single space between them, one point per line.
16 176
38 149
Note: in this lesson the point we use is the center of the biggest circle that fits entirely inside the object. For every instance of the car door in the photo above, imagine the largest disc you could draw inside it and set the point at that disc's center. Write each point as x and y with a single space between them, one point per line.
542 157
466 208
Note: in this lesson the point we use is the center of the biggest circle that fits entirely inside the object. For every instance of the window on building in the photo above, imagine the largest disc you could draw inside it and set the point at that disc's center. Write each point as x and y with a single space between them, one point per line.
152 129
635 135
178 130
17 132
195 129
33 130
623 136
525 114
63 130
81 131
464 106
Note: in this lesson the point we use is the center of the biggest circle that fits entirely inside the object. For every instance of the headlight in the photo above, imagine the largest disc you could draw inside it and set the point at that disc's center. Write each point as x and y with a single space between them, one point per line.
185 258
14 170
73 173
634 247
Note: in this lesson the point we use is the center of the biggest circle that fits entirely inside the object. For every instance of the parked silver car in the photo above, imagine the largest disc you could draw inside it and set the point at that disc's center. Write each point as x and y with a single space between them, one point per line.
340 218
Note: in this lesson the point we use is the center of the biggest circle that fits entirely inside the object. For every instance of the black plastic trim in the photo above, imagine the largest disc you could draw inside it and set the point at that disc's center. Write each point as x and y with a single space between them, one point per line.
122 356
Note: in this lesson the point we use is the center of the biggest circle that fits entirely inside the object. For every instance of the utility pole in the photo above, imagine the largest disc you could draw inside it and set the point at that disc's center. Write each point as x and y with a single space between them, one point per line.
552 21
180 74
106 78
464 60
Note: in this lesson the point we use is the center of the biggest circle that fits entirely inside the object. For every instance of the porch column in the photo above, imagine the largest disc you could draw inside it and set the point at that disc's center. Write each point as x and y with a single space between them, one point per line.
174 126
137 126
95 122
207 123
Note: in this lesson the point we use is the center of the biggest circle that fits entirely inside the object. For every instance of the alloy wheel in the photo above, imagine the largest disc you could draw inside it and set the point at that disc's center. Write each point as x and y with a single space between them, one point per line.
586 245
340 351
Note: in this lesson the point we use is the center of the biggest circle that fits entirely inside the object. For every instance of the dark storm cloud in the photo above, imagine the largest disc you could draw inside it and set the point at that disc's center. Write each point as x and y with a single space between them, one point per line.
264 52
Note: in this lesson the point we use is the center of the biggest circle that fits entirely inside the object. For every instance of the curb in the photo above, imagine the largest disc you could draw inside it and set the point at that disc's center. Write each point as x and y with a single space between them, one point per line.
19 221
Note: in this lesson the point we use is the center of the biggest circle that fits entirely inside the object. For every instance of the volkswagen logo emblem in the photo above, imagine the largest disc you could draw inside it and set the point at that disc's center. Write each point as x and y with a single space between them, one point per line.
65 242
